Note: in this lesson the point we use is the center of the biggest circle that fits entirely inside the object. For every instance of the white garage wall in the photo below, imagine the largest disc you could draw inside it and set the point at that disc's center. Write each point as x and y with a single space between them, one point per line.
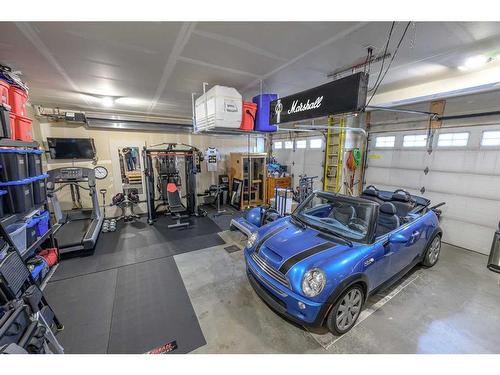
466 178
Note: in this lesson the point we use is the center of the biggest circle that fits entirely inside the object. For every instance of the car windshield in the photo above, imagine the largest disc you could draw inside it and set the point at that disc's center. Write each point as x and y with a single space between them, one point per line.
340 215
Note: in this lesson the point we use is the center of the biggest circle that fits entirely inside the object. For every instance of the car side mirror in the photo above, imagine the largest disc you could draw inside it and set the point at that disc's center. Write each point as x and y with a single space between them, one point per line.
398 238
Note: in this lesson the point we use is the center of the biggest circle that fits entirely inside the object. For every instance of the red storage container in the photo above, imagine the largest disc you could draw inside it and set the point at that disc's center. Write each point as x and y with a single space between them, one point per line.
4 91
17 100
249 111
23 130
12 125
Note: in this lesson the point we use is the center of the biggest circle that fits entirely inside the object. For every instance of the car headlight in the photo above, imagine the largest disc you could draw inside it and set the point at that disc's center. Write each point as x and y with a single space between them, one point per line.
251 240
313 282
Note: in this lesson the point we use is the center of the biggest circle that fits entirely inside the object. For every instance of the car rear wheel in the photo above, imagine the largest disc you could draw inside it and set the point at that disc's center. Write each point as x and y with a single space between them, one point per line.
432 252
346 310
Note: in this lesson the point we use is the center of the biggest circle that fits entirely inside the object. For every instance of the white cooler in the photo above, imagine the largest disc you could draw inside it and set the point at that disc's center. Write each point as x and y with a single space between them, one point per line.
219 107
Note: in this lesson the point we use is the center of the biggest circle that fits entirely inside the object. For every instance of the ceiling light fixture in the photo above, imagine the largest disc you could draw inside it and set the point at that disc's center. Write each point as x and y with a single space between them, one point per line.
107 101
474 62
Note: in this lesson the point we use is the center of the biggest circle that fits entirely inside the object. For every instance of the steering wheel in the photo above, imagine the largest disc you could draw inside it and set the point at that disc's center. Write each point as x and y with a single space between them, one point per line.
358 224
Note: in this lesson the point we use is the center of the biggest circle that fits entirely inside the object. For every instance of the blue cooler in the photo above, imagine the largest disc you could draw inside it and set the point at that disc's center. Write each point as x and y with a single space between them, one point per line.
263 111
42 226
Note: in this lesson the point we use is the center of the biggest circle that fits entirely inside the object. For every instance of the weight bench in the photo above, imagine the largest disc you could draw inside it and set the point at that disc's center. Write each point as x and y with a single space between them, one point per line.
175 206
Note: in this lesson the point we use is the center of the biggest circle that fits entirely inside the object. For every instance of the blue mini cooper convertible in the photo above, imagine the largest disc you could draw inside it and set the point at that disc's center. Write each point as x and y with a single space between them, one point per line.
318 266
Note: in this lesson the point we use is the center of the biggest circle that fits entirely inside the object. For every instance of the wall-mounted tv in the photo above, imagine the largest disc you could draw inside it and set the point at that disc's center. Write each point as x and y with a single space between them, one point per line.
71 148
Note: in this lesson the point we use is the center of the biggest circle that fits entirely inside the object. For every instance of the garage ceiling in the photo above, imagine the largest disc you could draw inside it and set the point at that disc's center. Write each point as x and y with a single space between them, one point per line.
152 68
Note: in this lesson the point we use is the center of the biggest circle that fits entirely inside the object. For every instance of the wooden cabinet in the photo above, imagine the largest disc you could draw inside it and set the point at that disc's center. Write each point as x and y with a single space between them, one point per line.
251 170
276 182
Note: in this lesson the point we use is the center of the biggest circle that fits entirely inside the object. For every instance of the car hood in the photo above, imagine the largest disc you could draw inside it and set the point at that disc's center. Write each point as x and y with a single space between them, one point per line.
284 244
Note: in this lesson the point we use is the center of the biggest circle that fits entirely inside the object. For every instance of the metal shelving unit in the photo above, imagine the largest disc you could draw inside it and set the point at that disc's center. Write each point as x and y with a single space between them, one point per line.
10 219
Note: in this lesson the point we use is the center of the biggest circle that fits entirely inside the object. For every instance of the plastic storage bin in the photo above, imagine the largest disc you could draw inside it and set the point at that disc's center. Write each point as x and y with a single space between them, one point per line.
35 163
17 100
263 112
13 164
3 203
219 107
24 130
31 232
248 120
39 189
42 225
17 233
5 131
20 195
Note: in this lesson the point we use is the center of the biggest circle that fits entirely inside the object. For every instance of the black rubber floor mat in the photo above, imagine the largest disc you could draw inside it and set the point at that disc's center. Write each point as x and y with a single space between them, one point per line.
232 249
84 305
138 242
151 309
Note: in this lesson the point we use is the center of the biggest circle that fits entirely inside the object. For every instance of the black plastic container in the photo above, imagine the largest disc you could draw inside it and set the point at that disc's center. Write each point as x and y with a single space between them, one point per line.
14 164
20 195
3 203
31 235
35 163
4 122
40 189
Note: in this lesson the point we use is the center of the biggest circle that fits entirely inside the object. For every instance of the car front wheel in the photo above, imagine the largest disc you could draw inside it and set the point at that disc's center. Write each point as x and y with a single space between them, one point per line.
432 252
346 310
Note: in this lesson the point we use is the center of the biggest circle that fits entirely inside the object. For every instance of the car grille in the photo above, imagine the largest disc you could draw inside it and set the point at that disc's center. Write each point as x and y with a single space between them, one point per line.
278 276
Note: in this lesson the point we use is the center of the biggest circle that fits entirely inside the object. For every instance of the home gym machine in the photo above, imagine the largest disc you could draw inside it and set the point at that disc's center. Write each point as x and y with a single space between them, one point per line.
78 229
161 169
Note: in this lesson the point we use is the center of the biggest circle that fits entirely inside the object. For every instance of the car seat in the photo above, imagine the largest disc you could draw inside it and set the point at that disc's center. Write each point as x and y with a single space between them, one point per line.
402 202
344 214
387 219
371 193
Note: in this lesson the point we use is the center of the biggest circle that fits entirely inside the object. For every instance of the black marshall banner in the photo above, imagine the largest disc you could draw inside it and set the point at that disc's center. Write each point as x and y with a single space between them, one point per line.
344 95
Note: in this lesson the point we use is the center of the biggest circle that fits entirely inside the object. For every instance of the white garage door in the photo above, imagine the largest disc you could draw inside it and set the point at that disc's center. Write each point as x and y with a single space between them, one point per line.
303 158
463 171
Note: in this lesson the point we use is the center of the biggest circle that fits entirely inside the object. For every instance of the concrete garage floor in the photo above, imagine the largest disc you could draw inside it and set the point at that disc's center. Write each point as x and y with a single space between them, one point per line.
450 308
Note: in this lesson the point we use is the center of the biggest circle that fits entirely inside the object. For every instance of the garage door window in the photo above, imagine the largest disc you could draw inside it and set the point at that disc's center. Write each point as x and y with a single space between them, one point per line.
301 144
491 138
416 140
288 145
385 142
453 139
278 145
315 143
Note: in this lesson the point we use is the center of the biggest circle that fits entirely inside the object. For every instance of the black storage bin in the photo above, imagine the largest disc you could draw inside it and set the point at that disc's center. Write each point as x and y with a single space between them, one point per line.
31 236
14 164
20 195
40 189
3 203
34 163
4 122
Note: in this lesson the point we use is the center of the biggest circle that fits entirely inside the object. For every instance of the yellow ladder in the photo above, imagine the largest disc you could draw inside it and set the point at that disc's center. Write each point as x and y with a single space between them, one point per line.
334 155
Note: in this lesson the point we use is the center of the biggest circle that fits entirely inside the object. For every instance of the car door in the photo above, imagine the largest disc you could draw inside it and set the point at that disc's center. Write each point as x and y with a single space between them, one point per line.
408 247
376 264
